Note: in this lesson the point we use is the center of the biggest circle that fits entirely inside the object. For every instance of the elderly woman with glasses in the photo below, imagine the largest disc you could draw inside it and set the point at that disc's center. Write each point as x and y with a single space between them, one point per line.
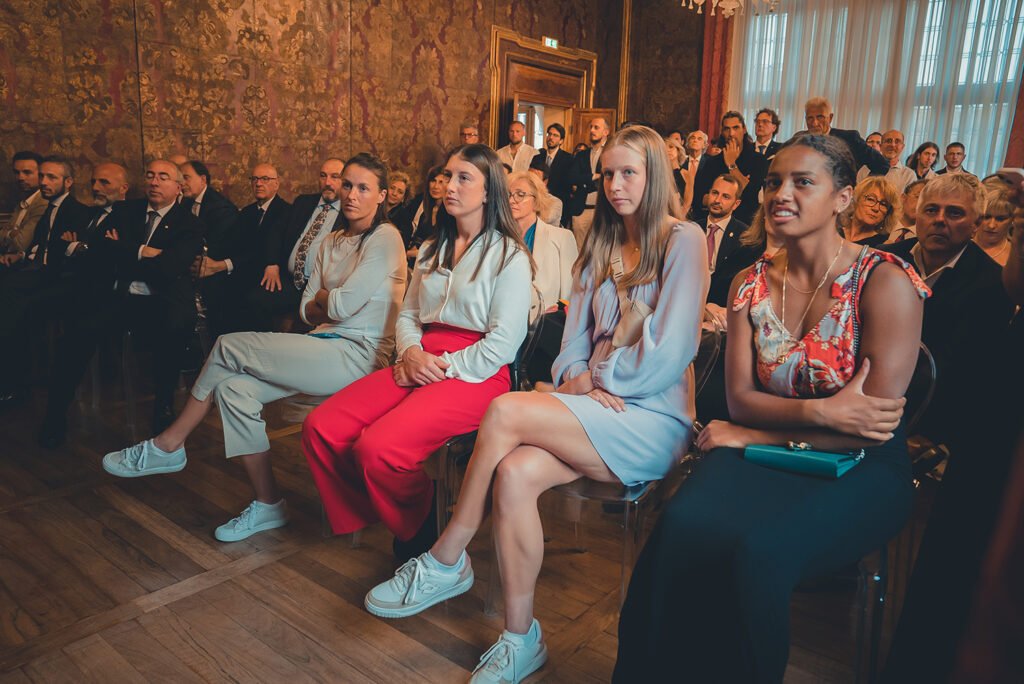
876 211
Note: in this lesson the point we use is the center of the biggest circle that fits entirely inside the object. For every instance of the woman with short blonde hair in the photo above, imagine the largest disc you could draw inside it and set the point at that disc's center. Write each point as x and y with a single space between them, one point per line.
875 212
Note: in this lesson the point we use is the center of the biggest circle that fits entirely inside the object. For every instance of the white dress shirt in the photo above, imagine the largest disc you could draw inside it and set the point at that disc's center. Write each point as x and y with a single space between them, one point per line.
49 229
931 278
899 176
521 161
197 202
496 302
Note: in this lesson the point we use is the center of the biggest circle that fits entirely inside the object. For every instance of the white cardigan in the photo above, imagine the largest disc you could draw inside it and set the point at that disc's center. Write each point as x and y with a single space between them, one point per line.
554 252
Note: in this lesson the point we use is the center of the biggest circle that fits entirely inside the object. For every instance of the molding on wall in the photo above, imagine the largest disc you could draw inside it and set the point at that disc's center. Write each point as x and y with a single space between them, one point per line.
627 12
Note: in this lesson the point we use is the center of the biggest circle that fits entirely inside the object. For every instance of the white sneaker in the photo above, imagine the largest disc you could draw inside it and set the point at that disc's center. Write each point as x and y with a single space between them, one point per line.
513 658
420 583
145 458
256 517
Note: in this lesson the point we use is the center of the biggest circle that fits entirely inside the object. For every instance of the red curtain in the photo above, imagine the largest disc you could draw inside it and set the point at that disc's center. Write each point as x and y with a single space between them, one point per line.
1015 147
715 67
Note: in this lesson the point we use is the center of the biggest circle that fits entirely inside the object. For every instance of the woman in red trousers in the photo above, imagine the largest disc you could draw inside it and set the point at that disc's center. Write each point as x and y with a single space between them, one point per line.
464 318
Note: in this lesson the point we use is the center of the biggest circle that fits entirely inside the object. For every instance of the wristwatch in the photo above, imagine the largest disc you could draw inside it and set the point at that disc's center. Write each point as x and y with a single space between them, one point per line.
731 167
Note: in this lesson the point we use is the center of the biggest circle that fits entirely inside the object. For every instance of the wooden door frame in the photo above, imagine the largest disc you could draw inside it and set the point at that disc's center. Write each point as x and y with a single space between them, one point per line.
507 47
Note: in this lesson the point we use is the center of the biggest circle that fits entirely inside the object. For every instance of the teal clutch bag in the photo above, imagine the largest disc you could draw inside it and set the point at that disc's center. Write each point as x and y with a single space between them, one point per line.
800 458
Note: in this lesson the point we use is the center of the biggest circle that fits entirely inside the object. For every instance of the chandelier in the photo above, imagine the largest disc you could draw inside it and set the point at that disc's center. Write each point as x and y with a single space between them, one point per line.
729 7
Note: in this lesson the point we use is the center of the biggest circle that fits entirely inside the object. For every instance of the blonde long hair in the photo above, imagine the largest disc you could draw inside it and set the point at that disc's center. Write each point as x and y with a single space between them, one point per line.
657 203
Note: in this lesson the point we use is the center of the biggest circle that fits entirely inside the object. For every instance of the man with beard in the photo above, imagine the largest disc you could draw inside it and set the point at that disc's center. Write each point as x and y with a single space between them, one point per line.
290 249
738 159
584 177
16 235
555 165
898 175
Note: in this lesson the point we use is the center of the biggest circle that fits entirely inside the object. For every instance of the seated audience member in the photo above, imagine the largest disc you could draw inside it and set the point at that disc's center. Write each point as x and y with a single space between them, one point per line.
398 202
876 208
676 135
723 231
552 214
993 233
462 322
216 211
683 175
709 599
352 298
954 158
766 126
818 115
517 153
291 248
424 212
35 284
739 159
245 259
553 248
145 258
556 164
922 161
898 175
623 410
874 141
16 234
469 133
968 304
696 145
905 227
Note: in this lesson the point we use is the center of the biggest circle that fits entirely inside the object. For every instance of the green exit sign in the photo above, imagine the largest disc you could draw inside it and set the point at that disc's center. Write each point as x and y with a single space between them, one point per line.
550 42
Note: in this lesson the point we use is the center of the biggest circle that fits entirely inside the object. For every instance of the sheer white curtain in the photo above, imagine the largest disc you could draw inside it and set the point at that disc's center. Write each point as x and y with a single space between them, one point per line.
938 70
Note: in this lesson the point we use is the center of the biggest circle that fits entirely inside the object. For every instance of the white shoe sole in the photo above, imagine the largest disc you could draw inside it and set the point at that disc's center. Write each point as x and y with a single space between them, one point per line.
259 528
407 611
538 662
118 472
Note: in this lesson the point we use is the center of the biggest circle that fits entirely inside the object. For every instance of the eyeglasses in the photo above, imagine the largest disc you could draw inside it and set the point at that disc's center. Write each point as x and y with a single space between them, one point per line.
873 202
262 179
518 196
150 175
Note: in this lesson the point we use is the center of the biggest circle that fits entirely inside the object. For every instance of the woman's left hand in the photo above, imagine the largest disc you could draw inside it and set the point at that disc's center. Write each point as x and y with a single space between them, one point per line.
721 433
607 400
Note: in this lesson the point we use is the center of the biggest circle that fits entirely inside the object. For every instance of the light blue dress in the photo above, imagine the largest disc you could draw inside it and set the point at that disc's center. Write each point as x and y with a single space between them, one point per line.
653 376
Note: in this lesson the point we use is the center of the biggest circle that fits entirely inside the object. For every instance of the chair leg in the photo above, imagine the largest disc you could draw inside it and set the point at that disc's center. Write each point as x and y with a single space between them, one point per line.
443 494
872 588
325 526
128 383
630 532
881 584
494 582
576 515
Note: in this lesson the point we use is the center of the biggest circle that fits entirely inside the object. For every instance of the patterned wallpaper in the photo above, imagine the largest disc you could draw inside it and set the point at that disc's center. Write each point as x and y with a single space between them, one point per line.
233 82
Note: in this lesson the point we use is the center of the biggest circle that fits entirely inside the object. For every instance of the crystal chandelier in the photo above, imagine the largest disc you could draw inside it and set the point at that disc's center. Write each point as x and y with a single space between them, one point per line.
729 7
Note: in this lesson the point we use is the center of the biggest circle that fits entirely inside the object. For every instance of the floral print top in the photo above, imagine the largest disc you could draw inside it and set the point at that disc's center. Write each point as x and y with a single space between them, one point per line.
824 360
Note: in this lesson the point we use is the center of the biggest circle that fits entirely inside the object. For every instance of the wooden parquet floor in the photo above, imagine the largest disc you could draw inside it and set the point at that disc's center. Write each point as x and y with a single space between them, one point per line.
107 580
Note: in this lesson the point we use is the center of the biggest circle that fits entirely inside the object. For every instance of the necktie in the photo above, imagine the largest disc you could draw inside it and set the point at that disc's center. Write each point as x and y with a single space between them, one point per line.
41 235
761 149
550 159
712 229
195 208
259 216
299 276
153 217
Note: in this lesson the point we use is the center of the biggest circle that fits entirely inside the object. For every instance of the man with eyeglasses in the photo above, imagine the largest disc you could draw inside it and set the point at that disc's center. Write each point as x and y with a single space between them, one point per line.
892 146
148 247
555 166
766 126
469 133
290 248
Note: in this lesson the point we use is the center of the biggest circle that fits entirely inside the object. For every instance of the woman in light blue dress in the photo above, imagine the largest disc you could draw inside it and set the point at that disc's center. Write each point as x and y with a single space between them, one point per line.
622 412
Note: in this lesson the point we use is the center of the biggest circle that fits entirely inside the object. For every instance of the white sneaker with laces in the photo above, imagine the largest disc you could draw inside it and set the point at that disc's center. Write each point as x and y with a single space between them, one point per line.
420 583
256 517
145 458
513 658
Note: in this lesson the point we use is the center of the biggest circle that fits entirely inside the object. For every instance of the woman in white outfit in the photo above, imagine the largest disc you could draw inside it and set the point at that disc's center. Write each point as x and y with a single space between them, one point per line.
352 299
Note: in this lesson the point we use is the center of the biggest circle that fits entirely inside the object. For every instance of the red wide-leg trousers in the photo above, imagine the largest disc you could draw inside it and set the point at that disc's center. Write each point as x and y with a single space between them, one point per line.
365 445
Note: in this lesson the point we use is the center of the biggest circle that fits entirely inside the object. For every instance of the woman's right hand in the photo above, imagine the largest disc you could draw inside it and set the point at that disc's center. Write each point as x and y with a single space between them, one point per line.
581 384
423 368
854 413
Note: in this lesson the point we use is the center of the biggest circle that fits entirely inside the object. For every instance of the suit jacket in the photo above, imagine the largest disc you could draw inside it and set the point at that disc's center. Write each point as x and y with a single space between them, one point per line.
862 154
732 258
72 215
180 237
554 252
750 164
217 214
968 309
772 147
581 182
247 250
401 216
15 239
559 174
280 243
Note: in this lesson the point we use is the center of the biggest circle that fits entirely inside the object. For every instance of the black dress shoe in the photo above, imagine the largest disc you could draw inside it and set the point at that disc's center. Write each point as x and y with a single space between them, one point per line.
52 432
163 416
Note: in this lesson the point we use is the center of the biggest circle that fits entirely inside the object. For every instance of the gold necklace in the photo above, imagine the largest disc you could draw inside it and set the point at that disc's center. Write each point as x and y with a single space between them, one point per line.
813 293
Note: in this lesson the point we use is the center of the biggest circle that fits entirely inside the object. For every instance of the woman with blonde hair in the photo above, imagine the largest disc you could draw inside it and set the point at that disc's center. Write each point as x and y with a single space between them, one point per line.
622 411
682 176
875 213
993 234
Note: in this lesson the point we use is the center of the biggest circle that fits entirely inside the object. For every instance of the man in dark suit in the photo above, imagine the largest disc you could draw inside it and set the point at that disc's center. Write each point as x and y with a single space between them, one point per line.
954 157
738 159
583 178
726 256
968 307
33 285
146 254
214 210
556 164
766 126
230 268
289 251
818 116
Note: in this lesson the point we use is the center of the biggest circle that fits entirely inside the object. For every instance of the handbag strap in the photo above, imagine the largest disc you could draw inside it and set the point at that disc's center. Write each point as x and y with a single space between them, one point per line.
856 300
617 276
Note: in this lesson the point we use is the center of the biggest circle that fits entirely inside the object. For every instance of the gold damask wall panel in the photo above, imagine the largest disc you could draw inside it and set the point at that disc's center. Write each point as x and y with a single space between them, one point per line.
234 82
